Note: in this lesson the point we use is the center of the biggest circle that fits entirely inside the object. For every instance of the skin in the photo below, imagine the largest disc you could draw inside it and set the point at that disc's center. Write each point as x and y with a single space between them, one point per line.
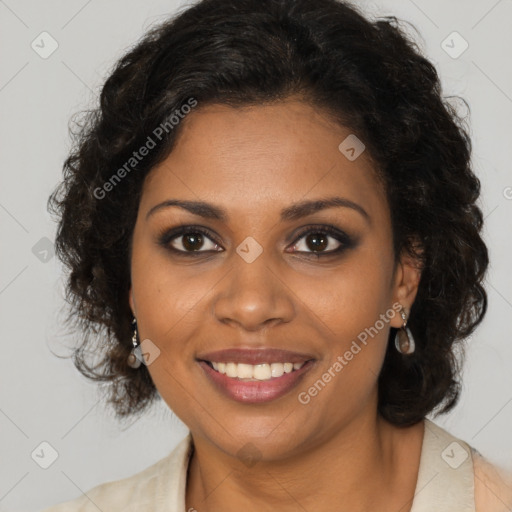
336 449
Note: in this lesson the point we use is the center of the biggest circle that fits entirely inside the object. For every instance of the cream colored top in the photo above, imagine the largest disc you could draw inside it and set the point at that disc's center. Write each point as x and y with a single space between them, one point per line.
453 477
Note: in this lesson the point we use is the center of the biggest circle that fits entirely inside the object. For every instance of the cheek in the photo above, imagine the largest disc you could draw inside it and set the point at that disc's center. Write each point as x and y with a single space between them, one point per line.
350 308
168 300
352 314
350 297
166 295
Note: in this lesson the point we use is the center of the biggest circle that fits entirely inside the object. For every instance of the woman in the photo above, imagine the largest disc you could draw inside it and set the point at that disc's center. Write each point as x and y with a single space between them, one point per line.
272 216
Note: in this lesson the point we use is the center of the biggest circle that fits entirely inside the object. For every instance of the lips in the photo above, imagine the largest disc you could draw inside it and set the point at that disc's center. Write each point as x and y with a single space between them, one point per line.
254 391
255 356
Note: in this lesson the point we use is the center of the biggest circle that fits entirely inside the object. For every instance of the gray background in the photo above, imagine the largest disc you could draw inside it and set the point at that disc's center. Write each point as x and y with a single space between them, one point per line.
43 398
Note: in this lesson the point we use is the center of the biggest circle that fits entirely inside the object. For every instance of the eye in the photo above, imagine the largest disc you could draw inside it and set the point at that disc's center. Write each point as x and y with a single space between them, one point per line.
189 240
319 241
322 240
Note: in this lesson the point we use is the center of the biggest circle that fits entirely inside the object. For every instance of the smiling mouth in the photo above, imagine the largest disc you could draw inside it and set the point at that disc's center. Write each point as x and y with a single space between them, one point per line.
256 372
258 383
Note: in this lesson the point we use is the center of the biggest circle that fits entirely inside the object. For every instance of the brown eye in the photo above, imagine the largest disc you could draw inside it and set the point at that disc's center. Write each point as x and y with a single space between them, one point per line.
192 242
318 241
189 240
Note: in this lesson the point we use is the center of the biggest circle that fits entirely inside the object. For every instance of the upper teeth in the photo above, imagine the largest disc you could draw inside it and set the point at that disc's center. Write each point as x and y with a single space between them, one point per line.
262 371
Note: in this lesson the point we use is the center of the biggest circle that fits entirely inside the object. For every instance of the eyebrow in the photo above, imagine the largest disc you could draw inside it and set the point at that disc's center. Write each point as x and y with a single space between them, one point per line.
290 213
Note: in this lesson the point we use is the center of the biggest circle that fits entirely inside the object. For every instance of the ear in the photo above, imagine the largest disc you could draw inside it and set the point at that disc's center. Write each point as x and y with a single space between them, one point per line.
406 281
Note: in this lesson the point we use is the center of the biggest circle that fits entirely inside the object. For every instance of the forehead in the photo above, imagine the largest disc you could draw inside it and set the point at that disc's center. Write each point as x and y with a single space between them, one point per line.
260 159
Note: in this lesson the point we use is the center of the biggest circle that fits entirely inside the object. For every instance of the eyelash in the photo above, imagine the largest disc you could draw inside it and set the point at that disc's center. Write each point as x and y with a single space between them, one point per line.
345 240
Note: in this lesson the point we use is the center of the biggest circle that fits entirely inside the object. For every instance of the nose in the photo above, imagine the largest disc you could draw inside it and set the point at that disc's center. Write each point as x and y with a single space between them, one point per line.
253 296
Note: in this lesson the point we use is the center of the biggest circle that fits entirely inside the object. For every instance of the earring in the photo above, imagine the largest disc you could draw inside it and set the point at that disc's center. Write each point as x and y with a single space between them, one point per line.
404 340
135 357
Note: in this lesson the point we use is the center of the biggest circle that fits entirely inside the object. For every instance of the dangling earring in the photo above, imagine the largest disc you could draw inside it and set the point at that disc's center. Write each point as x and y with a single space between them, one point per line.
404 340
135 357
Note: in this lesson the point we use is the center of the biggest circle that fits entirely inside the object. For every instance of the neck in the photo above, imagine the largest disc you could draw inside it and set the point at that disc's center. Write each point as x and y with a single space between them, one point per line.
367 465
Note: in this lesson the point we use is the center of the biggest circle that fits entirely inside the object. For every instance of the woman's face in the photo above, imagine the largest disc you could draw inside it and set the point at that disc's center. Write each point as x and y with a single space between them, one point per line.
255 280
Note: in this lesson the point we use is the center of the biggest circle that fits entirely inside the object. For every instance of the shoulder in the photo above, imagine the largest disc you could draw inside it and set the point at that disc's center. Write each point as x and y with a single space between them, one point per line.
159 483
116 495
493 485
453 475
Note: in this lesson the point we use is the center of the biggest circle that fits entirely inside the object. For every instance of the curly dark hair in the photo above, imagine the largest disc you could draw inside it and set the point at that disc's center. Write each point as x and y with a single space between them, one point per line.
367 75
